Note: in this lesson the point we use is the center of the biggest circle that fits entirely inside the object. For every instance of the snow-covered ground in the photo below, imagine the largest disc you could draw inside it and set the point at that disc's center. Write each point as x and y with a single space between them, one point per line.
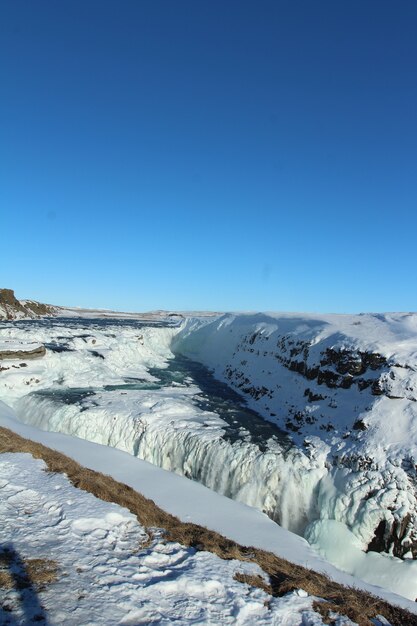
105 576
190 501
345 384
78 312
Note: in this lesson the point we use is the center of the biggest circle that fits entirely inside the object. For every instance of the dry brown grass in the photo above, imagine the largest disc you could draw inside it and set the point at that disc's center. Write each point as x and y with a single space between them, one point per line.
253 581
16 573
358 605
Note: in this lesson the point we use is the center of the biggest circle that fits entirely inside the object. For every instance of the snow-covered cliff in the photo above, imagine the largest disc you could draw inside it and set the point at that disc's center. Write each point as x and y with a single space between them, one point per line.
350 380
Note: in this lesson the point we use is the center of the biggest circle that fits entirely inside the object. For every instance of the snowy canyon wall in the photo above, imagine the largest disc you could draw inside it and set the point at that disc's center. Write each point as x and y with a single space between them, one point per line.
347 380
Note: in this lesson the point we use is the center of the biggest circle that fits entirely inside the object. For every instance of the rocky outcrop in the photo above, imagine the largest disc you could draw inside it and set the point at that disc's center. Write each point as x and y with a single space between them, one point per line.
336 368
12 309
26 353
398 538
10 306
323 374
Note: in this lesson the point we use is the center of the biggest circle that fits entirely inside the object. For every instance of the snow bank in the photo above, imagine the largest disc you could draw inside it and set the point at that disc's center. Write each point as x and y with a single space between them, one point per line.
104 576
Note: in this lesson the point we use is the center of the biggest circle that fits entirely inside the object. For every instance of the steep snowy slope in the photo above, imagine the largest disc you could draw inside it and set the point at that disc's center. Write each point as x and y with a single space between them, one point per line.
349 380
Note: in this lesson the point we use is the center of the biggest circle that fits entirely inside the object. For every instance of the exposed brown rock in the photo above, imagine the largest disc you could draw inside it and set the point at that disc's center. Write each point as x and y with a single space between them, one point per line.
12 308
36 353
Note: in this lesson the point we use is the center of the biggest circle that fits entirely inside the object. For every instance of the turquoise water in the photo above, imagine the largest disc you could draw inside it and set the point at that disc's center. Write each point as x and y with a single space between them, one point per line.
214 396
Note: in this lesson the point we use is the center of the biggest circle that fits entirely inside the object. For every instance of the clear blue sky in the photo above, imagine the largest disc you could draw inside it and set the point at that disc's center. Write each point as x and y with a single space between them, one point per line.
210 154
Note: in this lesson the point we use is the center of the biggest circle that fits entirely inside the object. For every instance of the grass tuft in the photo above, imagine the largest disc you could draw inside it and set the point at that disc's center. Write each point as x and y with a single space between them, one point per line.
17 573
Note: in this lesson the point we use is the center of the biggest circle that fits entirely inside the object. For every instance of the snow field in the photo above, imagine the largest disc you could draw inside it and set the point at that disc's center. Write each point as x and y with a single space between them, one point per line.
92 356
104 576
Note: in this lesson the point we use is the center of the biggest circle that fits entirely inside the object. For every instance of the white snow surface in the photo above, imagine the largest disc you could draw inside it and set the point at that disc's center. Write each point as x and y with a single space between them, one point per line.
80 312
91 357
190 502
9 345
340 482
103 573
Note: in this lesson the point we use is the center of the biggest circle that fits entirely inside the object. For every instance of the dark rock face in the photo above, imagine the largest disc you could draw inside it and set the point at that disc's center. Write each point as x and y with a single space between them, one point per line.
397 538
353 363
313 397
337 369
10 303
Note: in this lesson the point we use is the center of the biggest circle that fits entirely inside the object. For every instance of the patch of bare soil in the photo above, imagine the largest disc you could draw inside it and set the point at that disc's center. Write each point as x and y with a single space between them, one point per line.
17 573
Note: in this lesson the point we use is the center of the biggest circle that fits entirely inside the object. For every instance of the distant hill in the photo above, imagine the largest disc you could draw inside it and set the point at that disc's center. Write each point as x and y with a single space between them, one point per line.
13 309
